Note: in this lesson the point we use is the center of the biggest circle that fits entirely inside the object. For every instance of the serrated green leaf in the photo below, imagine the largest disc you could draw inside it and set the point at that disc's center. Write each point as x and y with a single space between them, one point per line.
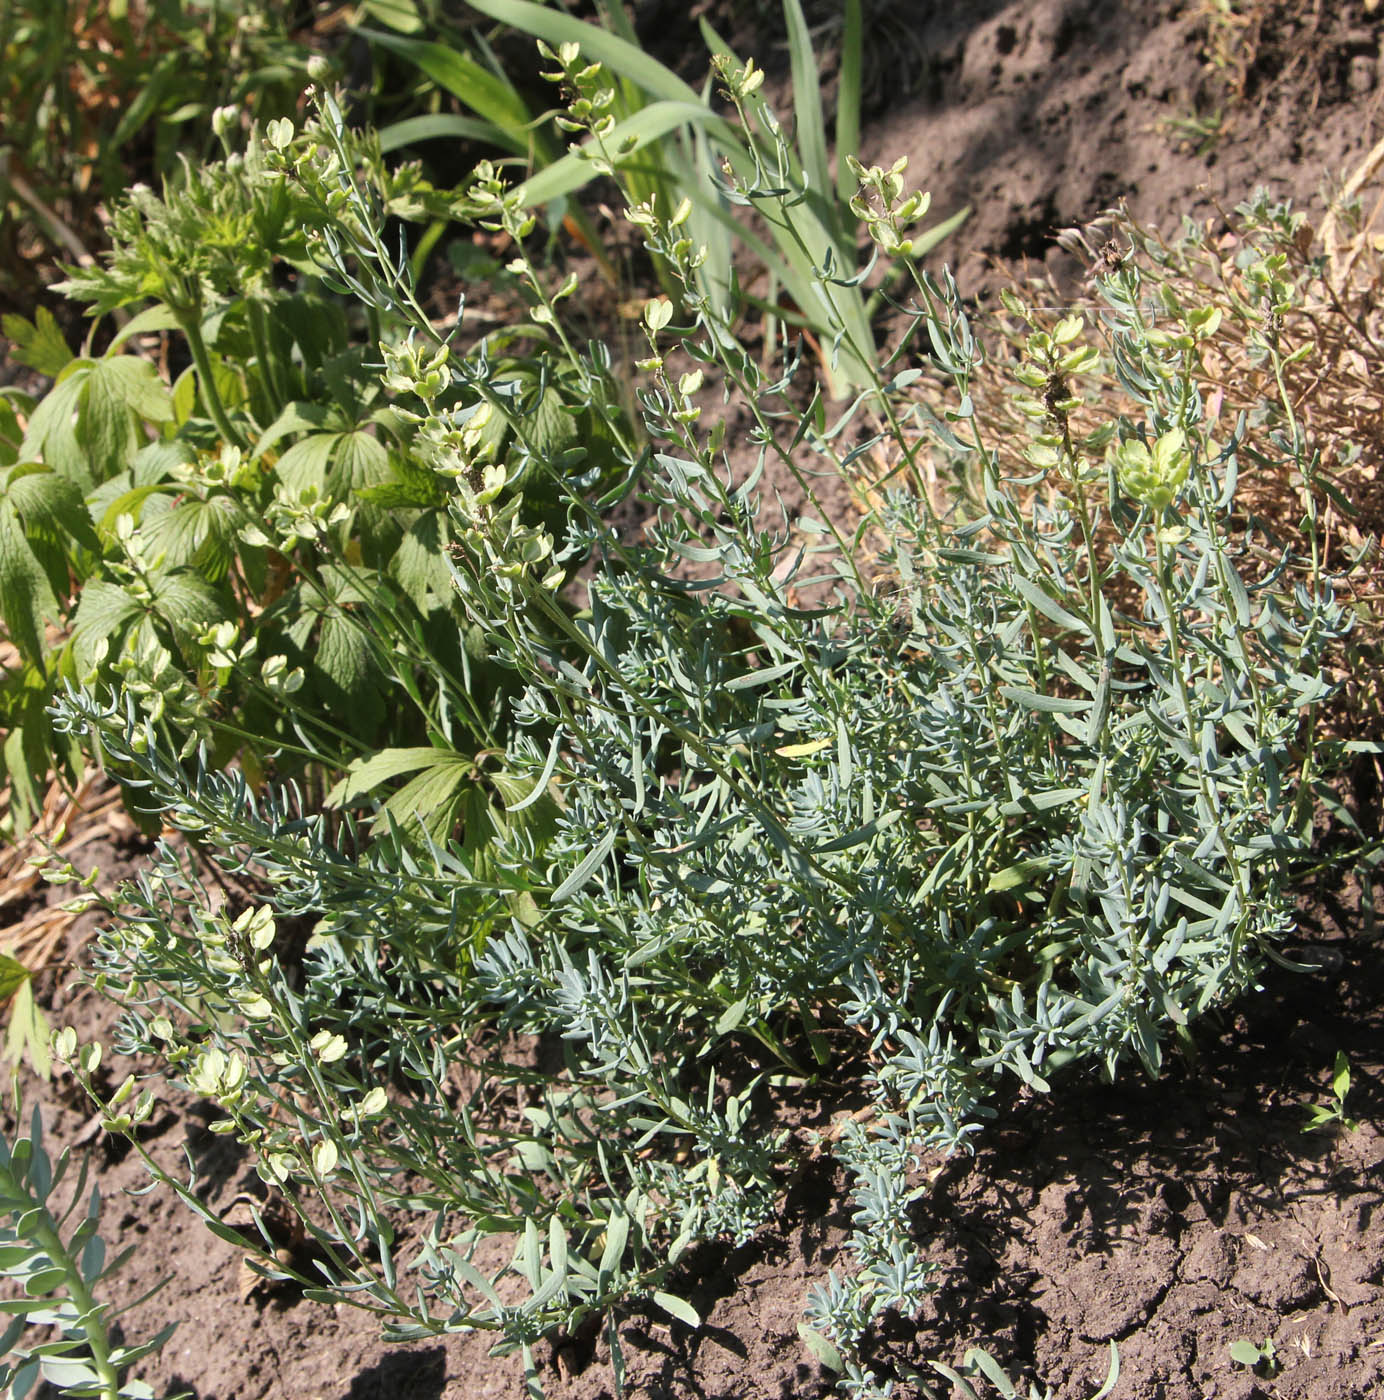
347 676
296 417
11 434
51 507
119 395
184 397
198 534
318 327
408 484
26 599
305 463
29 1033
116 498
366 774
358 459
24 760
435 797
153 318
105 428
135 383
419 563
40 343
104 611
551 427
12 975
51 436
187 602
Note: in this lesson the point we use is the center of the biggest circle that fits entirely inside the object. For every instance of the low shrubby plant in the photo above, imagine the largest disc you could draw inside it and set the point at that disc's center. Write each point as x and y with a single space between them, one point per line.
58 1276
1262 316
971 790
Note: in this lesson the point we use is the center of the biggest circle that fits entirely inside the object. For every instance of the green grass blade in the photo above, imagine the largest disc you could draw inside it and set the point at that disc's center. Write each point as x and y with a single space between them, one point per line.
622 57
807 99
706 226
715 44
817 224
484 93
848 101
448 125
617 20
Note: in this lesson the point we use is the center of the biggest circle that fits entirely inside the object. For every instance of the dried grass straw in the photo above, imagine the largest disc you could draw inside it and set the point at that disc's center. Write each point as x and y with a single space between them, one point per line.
72 819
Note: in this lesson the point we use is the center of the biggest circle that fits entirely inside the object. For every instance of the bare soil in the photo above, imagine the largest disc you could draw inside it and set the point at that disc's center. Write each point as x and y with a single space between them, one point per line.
1172 1218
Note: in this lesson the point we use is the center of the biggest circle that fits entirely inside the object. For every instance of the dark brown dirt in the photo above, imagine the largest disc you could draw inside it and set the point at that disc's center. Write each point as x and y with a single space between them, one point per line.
1172 1218
1040 113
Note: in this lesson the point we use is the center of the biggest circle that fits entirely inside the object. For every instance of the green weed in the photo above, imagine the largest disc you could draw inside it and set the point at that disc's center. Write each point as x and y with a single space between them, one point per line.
1261 1357
214 543
1334 1114
92 91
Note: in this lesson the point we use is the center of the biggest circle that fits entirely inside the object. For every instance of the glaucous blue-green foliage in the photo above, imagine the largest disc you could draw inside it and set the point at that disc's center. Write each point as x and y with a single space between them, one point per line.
957 798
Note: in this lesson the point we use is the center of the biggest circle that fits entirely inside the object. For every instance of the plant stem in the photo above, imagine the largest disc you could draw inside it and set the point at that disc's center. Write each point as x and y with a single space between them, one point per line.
206 379
43 1231
269 368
